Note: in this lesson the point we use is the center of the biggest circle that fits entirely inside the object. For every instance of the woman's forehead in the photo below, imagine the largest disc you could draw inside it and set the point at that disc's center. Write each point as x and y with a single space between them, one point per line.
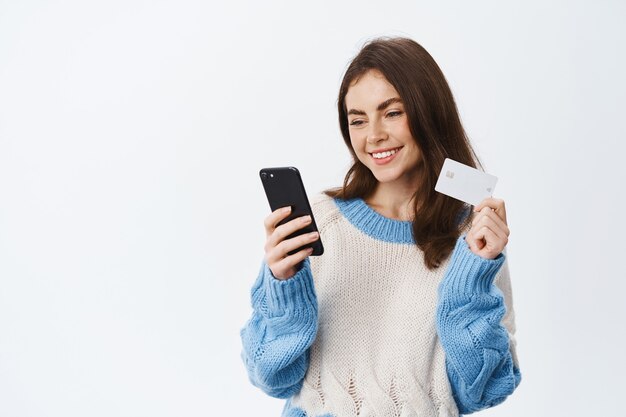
370 88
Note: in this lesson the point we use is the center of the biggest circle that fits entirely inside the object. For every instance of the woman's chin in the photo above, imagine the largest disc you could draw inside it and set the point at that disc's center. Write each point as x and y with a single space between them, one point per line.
394 177
385 177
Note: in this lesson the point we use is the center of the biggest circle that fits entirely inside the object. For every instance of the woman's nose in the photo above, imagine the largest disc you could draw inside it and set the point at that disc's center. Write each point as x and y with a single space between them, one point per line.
376 133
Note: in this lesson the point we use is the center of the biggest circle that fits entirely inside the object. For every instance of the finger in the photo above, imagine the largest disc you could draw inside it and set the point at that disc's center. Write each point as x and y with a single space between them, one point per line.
493 245
494 203
286 229
493 222
274 218
288 245
285 268
473 243
485 211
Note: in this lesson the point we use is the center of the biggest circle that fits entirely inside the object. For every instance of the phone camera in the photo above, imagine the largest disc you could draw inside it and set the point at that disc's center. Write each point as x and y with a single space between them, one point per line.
263 175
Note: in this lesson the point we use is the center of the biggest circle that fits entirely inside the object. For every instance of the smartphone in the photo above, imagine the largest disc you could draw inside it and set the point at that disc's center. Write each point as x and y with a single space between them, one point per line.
283 187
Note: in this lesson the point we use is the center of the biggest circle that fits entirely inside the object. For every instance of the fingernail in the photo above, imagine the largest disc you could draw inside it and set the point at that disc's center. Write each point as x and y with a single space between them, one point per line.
313 234
306 219
286 209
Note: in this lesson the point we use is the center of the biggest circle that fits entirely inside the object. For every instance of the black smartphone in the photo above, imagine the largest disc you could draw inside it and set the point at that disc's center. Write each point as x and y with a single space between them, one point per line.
283 187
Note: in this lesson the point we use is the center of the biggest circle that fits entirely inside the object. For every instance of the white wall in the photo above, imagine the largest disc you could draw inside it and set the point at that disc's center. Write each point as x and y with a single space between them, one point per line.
131 135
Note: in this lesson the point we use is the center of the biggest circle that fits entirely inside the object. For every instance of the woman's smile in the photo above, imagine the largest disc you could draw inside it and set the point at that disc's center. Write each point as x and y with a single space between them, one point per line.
384 156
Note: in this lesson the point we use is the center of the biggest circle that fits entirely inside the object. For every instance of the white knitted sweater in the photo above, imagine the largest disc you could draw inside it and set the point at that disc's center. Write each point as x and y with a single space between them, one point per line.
377 352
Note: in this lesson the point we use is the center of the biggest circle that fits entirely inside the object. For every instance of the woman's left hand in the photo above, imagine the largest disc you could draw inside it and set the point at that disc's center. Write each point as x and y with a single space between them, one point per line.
489 233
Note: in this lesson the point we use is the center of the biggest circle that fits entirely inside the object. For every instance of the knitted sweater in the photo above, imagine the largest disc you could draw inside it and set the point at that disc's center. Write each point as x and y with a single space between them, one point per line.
367 330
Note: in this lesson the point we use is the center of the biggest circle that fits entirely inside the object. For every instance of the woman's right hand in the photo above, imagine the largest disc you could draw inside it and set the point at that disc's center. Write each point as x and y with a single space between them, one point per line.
282 265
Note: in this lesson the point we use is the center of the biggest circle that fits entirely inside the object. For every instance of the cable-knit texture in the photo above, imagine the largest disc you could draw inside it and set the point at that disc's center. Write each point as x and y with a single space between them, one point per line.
281 330
356 332
479 362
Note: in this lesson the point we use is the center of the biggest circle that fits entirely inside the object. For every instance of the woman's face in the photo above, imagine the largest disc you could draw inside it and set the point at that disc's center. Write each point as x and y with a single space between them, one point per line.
379 130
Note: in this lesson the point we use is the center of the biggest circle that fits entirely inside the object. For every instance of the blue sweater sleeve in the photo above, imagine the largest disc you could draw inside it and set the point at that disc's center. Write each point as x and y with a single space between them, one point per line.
277 338
479 362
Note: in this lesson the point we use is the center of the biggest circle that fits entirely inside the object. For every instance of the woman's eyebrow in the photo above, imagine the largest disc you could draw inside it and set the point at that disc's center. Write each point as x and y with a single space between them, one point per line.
357 112
381 106
388 102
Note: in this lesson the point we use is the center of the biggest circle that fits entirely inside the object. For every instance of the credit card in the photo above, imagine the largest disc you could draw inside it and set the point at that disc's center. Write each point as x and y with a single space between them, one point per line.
465 183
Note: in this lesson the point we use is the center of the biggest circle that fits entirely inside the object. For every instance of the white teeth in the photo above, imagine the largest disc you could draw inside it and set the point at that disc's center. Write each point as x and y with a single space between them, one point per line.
381 155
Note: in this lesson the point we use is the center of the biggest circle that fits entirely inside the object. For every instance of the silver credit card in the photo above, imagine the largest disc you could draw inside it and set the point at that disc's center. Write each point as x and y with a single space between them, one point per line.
465 183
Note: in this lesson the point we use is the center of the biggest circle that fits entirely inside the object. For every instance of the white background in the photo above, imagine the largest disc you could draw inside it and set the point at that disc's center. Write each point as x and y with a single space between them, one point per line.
131 135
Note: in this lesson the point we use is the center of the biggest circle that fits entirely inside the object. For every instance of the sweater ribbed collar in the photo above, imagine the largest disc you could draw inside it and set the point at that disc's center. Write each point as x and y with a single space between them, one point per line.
374 224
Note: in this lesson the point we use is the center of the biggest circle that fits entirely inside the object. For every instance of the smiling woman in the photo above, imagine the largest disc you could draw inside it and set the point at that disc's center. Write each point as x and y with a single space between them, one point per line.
424 119
409 311
380 133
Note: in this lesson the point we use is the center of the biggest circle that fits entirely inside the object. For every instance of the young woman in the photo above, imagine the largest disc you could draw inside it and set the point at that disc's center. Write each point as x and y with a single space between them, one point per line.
409 311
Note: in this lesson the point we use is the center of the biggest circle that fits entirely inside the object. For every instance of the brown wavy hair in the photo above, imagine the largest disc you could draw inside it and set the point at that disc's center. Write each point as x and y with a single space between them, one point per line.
436 128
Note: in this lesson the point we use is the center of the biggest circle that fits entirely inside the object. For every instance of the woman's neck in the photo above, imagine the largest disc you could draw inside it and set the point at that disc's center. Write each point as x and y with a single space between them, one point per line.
391 201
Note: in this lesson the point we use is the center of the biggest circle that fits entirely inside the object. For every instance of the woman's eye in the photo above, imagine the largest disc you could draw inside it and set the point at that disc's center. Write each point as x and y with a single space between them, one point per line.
394 113
356 123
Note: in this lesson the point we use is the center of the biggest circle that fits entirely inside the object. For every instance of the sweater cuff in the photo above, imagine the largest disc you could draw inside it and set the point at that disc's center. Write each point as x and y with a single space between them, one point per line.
293 294
469 273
